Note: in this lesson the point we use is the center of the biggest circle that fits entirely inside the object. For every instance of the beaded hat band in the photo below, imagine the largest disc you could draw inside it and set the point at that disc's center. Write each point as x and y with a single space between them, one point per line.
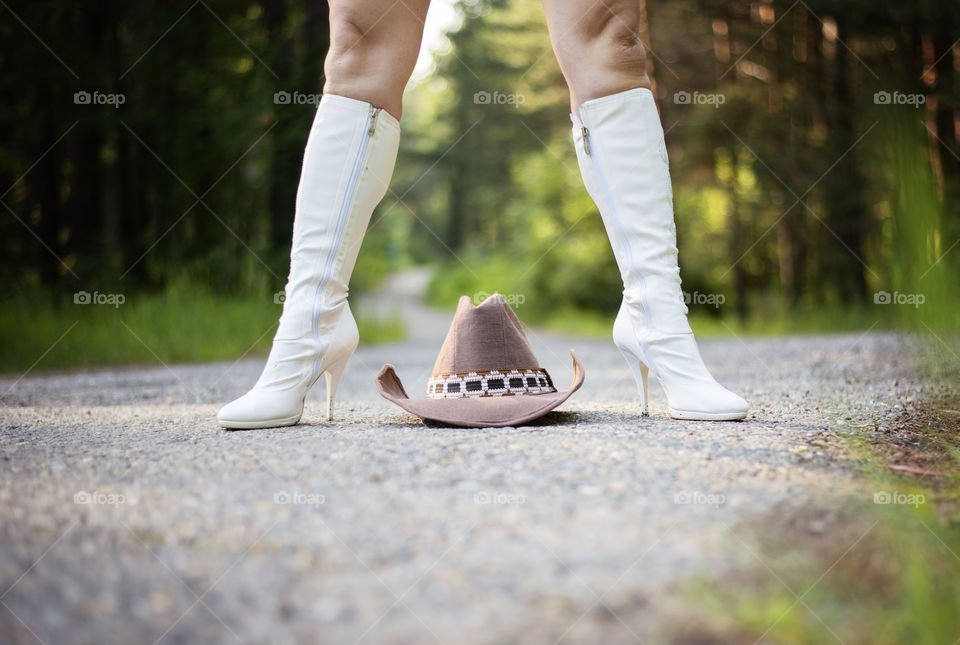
478 383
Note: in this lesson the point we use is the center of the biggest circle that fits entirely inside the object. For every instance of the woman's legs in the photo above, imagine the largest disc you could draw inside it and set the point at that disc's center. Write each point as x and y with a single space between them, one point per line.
347 166
597 46
373 48
623 161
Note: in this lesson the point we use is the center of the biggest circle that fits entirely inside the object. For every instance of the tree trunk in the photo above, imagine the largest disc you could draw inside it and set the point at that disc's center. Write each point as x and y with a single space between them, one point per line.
842 189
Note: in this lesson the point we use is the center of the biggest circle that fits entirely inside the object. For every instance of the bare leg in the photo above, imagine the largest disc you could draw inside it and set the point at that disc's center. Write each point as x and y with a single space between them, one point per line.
373 49
597 46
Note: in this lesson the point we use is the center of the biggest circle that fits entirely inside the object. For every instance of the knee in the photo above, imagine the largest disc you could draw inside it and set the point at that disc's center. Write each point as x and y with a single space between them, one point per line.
625 50
608 37
352 43
371 55
601 52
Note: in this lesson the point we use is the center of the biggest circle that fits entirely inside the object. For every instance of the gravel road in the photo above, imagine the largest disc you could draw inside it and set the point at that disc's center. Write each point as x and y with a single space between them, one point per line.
128 516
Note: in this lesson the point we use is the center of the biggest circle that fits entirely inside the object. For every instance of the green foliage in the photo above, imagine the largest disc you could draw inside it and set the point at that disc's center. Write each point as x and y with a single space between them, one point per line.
182 197
494 185
798 198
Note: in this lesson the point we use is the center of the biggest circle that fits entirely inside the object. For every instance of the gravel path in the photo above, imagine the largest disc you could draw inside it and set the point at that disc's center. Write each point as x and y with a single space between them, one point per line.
127 515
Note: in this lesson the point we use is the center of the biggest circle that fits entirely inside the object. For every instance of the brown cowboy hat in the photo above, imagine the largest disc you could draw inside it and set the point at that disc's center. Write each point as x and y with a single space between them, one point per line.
486 374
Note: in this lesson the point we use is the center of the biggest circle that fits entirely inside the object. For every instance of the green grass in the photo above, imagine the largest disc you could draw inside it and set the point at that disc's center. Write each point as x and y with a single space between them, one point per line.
47 331
898 584
881 574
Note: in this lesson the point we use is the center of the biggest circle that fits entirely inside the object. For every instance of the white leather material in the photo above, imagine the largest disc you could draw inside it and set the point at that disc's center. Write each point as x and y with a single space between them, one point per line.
623 160
347 165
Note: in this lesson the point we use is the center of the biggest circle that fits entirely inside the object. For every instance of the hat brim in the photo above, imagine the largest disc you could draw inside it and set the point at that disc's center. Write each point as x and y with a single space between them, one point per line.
479 412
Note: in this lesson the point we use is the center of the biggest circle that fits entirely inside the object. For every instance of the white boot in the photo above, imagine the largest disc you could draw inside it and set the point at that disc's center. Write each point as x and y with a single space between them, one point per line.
347 167
623 160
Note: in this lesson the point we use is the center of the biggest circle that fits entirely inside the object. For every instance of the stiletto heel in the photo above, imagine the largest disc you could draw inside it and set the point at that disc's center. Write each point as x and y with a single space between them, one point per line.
333 374
644 409
640 373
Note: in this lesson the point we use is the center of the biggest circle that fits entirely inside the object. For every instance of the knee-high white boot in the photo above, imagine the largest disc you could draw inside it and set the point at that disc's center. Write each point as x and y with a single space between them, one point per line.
347 166
623 161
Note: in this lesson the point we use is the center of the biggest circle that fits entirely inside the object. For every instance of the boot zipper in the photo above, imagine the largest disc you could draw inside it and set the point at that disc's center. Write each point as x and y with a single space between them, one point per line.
584 132
602 180
625 245
368 131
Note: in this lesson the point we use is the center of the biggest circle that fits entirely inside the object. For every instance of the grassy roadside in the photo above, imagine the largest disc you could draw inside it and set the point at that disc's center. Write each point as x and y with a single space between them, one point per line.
49 331
882 570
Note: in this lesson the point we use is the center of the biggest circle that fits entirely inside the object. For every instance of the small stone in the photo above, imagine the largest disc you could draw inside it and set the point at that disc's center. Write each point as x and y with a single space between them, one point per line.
159 601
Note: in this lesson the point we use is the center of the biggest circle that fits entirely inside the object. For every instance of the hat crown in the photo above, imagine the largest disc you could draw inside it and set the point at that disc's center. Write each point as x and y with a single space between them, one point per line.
488 336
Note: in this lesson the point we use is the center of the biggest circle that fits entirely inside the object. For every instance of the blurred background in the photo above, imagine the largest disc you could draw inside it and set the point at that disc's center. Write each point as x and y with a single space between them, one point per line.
150 154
